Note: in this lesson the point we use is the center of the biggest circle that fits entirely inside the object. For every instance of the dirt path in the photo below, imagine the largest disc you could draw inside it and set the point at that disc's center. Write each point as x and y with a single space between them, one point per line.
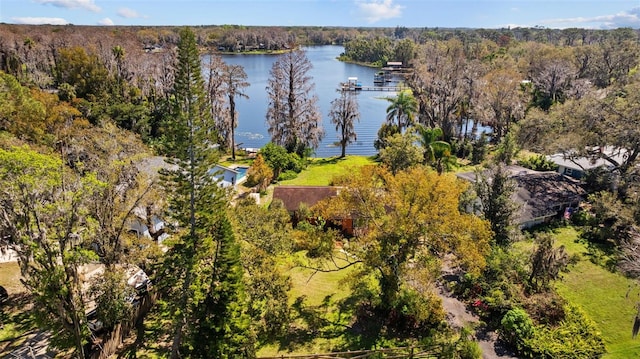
459 317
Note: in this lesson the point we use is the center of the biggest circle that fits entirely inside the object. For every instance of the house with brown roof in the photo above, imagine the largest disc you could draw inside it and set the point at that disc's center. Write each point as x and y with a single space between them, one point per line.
295 197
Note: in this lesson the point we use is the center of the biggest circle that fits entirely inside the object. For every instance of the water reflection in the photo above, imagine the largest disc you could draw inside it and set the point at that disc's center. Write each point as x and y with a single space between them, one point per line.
327 75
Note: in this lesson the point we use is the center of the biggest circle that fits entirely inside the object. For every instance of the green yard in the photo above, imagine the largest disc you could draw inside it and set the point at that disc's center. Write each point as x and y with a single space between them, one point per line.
319 296
608 298
321 170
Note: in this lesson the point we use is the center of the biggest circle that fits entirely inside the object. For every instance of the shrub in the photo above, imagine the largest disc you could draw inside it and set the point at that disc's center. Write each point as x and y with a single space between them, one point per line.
468 349
462 148
494 292
545 308
415 313
538 163
259 174
516 328
576 337
287 175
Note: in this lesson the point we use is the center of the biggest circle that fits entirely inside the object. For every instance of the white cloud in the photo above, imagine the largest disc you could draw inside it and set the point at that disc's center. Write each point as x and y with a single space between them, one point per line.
128 13
72 4
623 19
40 20
106 22
376 10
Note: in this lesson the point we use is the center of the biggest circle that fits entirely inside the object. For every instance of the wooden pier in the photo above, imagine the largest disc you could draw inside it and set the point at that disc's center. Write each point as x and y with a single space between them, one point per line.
374 88
353 84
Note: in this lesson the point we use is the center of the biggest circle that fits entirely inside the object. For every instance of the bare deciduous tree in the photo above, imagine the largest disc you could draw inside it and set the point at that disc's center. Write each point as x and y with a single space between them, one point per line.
235 80
216 98
344 112
501 102
438 84
293 115
630 252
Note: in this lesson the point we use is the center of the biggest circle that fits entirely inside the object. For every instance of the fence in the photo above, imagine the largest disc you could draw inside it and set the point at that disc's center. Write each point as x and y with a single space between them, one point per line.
107 344
388 353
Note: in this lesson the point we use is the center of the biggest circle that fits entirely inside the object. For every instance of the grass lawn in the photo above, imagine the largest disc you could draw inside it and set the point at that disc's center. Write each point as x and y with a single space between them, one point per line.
316 286
608 298
321 170
15 317
322 292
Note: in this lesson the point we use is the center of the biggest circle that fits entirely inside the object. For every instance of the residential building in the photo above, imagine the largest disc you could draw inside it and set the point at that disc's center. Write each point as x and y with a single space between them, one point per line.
541 196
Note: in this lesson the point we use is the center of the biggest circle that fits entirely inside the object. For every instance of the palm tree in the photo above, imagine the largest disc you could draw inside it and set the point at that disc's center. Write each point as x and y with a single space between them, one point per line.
436 153
402 108
118 54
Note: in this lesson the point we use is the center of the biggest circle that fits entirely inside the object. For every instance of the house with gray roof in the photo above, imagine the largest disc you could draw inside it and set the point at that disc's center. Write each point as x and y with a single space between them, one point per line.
577 166
541 196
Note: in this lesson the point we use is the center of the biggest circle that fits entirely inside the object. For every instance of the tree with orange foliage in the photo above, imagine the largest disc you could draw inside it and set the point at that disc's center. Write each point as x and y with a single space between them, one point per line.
404 222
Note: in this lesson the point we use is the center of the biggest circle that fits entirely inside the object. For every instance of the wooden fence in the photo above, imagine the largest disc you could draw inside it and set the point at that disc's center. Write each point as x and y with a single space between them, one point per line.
107 344
389 353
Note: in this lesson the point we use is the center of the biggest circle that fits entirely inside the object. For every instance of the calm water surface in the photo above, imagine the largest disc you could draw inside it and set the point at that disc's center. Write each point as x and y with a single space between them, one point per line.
327 74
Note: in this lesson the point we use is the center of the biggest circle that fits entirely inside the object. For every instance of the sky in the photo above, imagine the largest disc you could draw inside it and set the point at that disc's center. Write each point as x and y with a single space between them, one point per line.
557 14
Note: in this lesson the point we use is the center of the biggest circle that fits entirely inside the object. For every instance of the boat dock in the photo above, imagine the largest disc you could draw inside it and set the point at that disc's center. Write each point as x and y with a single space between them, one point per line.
353 84
373 88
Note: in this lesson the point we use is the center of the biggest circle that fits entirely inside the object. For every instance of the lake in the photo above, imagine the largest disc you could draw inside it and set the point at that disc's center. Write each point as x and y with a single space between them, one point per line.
327 75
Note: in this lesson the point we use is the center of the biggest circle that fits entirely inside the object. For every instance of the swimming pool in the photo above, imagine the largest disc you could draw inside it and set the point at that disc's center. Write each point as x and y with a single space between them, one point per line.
242 172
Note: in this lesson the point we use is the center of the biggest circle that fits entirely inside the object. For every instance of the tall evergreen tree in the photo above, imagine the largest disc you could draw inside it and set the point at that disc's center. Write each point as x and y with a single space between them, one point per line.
199 207
494 189
221 329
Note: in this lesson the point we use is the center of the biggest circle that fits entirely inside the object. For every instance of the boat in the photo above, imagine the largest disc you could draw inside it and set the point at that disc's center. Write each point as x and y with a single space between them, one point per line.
353 84
379 77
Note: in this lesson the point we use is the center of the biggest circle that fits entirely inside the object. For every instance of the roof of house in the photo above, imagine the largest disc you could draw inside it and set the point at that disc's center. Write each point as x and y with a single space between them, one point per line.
293 196
513 170
225 176
218 168
586 163
538 193
541 193
151 165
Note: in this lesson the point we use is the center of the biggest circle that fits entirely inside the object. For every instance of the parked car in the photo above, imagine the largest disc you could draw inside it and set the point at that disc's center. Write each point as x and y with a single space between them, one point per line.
4 295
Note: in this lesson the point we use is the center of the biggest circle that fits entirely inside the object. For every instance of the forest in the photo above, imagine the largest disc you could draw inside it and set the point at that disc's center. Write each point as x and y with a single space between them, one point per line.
106 130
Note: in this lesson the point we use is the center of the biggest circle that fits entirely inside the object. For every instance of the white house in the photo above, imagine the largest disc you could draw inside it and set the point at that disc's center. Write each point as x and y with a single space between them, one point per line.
227 176
577 167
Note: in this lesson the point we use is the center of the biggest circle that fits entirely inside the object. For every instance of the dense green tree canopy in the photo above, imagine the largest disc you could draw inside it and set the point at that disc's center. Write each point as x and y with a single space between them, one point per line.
45 217
404 217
